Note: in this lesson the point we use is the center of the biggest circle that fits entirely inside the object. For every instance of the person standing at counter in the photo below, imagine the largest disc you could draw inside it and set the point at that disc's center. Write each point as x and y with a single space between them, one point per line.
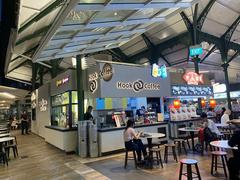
225 117
132 141
211 112
88 113
24 122
141 112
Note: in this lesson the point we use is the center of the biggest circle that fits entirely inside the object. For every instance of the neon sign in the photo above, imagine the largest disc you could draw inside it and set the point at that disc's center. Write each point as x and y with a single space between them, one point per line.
195 50
62 81
193 78
159 71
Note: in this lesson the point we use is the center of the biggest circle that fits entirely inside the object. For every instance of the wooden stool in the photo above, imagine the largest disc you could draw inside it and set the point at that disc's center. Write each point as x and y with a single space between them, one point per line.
215 165
173 146
180 144
189 174
157 151
131 158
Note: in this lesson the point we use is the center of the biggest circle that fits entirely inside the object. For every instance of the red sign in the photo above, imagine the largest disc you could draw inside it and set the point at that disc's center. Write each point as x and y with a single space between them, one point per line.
193 78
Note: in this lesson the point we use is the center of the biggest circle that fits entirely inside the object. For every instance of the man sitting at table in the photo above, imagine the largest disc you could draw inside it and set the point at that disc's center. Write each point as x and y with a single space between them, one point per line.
132 141
211 131
234 162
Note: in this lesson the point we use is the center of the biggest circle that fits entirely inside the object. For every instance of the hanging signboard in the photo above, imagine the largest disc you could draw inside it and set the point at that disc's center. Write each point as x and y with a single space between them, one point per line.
159 71
195 50
181 90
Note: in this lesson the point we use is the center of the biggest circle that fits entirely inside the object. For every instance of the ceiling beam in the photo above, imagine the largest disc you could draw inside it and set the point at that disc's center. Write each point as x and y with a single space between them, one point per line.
42 14
58 21
202 17
129 6
19 65
119 53
209 53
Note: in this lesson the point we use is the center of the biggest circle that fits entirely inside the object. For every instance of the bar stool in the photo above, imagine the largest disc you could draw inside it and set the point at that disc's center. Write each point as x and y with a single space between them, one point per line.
157 151
13 145
215 164
173 146
130 158
189 173
180 144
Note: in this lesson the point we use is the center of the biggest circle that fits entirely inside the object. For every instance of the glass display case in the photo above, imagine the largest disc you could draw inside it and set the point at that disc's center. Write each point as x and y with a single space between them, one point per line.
64 109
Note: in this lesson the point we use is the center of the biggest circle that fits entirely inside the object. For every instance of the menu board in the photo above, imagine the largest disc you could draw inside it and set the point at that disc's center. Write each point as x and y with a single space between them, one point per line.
60 99
181 90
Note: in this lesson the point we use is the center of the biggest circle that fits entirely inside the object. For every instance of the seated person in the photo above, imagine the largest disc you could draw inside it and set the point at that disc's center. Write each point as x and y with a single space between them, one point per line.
14 124
233 162
211 112
225 117
132 141
208 124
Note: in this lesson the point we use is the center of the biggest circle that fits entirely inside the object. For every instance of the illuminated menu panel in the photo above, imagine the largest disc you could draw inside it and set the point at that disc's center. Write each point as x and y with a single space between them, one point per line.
180 90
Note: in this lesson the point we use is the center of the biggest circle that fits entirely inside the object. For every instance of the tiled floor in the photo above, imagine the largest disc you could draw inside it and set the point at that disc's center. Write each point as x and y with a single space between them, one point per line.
39 160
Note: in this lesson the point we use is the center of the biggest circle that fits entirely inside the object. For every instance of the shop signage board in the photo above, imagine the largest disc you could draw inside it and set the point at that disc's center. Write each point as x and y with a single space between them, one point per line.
159 71
195 50
126 81
193 78
42 103
62 81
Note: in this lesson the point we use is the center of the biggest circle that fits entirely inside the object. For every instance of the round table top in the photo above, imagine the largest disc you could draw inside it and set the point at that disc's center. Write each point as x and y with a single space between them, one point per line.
5 139
152 135
221 125
235 121
189 129
222 144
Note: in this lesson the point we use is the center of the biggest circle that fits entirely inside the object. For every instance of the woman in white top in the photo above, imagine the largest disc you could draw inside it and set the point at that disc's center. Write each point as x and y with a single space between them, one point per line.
225 117
132 141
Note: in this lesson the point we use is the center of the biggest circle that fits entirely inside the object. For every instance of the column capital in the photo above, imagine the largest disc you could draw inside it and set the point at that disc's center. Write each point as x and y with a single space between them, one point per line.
225 66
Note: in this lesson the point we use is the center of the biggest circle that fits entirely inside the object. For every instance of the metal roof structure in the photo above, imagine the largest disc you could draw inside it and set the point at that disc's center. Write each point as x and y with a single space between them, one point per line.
129 30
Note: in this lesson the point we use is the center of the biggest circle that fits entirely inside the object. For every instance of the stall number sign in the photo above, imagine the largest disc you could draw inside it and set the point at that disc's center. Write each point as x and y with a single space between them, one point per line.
43 105
159 71
193 78
106 74
137 86
33 100
195 50
62 81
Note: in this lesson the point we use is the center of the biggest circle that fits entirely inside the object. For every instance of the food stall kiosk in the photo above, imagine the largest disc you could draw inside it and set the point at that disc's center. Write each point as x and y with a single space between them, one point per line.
62 131
116 91
186 87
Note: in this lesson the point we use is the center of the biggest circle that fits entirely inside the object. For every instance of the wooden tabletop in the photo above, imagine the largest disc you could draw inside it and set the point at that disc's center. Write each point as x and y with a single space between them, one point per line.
152 135
189 129
4 135
235 121
222 144
5 139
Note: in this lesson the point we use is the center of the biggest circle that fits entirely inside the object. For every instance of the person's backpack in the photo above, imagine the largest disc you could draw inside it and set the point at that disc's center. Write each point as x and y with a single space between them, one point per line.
209 135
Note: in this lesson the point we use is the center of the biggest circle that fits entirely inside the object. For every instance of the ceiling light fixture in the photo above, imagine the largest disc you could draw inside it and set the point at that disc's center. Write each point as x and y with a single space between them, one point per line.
115 14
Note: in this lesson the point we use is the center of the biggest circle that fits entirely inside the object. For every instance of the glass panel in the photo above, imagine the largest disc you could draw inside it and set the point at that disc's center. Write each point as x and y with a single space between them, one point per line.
60 99
74 114
92 1
128 1
145 13
74 97
123 28
107 16
60 116
78 17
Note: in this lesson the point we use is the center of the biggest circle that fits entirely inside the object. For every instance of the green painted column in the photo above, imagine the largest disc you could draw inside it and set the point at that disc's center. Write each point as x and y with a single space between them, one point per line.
34 75
225 70
80 91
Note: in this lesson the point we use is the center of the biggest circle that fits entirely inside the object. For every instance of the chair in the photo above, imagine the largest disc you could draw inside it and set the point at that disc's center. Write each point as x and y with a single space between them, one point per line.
158 157
189 174
181 143
173 146
215 164
3 155
12 145
130 158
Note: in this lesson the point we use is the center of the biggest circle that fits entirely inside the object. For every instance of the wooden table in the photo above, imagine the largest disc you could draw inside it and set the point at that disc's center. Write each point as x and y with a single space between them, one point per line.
192 130
6 139
222 144
235 121
4 135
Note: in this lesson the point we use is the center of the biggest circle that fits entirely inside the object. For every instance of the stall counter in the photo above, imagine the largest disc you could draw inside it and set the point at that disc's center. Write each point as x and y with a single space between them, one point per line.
62 138
111 139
